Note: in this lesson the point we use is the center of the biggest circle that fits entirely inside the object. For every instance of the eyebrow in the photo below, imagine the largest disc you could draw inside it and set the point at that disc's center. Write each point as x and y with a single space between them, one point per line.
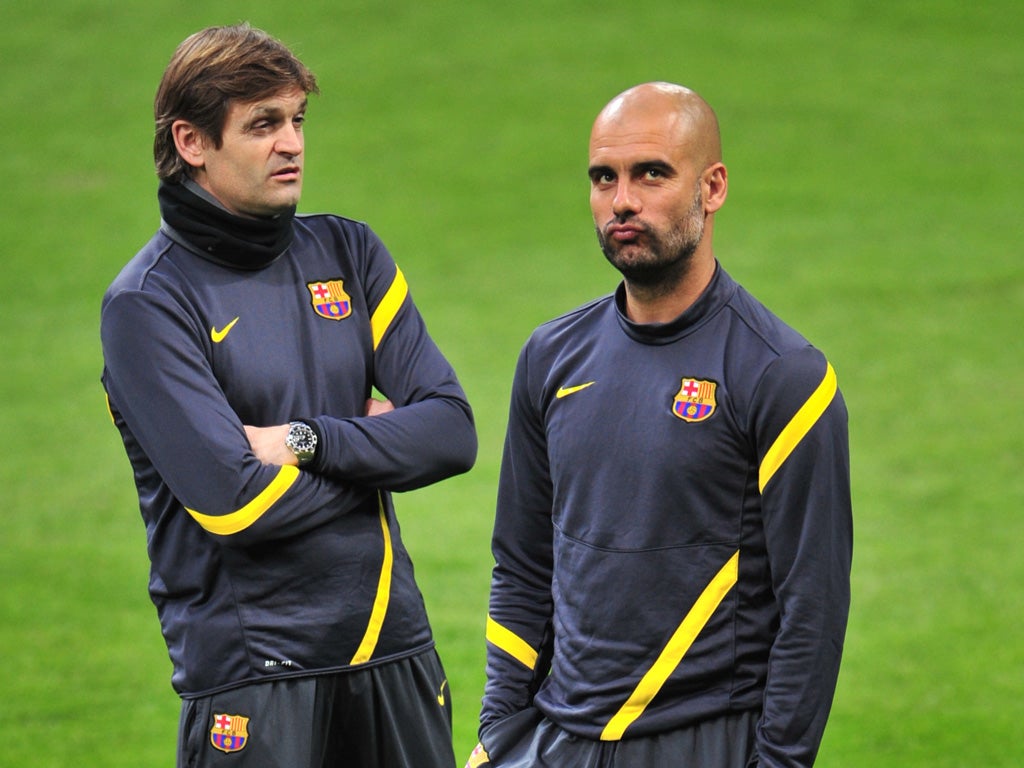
273 109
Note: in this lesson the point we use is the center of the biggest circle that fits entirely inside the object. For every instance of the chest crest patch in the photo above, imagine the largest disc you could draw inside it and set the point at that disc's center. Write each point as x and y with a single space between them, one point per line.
330 299
695 400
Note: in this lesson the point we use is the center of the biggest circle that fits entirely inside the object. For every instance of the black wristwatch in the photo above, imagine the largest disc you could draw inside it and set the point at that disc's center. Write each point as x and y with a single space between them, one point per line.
302 441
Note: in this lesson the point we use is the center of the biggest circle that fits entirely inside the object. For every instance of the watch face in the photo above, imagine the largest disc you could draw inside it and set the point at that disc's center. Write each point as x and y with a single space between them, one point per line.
302 441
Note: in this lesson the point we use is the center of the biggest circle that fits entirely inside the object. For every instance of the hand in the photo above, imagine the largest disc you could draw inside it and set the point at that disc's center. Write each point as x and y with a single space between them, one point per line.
268 442
378 407
269 446
478 758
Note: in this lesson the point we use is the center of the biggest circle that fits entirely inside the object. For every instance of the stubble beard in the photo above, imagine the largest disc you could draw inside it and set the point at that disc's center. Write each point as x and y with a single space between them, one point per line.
659 266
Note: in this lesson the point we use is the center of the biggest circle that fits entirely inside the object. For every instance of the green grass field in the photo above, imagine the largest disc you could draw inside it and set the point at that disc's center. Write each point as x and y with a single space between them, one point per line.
875 157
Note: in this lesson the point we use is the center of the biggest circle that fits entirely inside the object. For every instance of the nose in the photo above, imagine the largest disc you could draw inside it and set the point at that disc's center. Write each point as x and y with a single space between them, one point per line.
625 201
289 140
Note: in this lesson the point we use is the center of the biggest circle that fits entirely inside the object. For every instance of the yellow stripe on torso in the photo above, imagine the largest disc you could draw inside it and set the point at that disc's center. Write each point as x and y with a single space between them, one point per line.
380 603
673 653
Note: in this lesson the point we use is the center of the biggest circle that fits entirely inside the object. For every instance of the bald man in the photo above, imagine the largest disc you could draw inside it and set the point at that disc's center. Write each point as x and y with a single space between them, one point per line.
673 533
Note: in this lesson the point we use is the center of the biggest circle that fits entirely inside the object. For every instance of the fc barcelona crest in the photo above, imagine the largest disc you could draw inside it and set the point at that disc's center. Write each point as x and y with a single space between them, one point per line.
229 733
695 400
330 300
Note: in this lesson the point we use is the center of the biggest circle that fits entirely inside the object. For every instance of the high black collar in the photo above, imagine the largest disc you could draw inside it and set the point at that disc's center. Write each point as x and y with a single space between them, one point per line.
715 296
214 233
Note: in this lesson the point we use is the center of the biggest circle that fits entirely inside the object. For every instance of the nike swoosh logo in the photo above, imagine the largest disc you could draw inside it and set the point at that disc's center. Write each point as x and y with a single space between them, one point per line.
566 391
219 336
440 695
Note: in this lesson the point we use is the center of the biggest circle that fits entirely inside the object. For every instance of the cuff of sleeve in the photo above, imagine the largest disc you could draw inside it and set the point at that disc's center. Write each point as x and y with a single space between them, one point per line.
317 464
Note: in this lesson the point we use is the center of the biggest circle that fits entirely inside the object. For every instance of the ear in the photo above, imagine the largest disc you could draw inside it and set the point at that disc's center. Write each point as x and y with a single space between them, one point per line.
716 180
190 143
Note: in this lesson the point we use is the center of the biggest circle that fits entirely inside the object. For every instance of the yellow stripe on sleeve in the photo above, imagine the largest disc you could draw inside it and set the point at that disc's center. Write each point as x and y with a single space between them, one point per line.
388 307
798 427
511 643
225 525
380 603
673 653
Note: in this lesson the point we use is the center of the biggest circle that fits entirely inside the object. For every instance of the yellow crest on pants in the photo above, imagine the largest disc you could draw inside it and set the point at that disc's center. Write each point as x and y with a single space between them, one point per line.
230 733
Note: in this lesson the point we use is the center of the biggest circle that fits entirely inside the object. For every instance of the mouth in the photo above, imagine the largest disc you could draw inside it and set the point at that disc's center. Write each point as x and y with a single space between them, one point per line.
288 173
623 233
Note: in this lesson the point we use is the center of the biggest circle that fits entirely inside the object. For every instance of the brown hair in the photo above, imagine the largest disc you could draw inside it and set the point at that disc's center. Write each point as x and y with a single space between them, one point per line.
208 71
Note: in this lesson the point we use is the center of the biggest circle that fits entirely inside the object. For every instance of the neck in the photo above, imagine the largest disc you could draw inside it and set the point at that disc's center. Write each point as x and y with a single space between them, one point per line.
216 234
646 304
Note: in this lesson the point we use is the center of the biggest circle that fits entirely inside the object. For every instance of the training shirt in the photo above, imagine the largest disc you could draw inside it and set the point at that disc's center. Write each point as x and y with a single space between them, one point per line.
260 571
673 533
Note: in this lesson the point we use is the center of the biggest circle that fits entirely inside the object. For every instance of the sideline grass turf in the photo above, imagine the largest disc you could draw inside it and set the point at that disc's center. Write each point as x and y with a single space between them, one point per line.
874 157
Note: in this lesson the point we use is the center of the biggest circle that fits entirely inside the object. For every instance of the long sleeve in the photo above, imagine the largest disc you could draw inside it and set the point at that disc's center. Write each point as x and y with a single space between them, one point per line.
801 429
519 634
174 416
430 435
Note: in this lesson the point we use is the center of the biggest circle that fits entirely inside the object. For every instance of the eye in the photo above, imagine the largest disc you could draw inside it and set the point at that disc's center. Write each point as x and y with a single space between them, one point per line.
654 173
261 126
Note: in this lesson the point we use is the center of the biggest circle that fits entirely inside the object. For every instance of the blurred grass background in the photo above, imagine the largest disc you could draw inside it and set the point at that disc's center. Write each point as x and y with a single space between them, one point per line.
875 157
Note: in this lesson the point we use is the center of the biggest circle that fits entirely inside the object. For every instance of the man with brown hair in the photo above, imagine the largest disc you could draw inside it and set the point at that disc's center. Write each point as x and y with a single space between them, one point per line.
241 349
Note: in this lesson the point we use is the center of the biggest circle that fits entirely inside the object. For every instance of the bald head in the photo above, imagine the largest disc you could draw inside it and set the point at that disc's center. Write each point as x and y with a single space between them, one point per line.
656 181
680 113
